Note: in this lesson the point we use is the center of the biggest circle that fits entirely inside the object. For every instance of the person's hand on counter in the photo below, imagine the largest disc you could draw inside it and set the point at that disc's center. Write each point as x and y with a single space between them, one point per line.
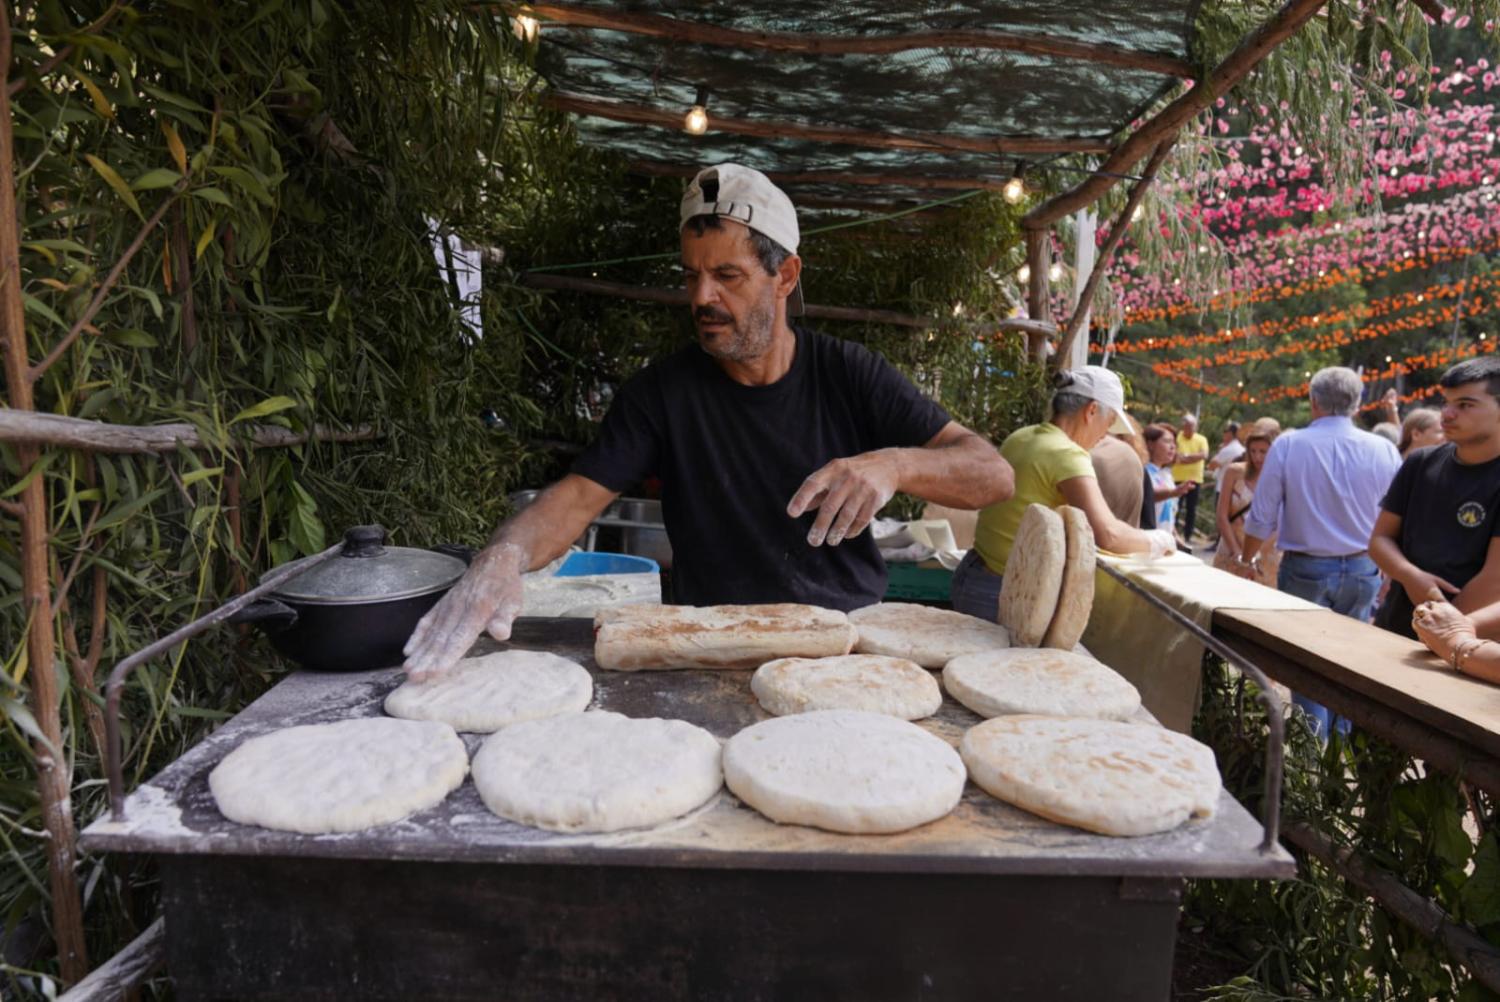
1161 543
487 598
847 493
1440 625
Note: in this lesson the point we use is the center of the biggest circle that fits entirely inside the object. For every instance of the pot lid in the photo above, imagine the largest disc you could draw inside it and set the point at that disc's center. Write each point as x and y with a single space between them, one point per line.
367 571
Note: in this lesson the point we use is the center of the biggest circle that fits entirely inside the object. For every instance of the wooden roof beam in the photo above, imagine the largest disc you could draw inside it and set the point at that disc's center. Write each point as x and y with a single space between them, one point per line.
657 168
680 30
1245 57
924 142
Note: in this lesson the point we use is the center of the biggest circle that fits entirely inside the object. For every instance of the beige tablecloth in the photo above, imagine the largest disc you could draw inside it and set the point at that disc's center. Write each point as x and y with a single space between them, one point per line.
1137 640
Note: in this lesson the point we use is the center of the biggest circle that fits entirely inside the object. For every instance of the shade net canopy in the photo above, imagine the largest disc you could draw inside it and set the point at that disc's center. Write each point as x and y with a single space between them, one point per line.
1000 103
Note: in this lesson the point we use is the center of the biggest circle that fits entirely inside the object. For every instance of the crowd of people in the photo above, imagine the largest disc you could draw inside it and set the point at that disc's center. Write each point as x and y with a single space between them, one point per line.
1396 525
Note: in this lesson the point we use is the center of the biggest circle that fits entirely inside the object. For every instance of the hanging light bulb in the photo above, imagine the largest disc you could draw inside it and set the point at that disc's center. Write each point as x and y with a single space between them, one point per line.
1137 213
1024 274
696 120
1055 272
1015 188
526 27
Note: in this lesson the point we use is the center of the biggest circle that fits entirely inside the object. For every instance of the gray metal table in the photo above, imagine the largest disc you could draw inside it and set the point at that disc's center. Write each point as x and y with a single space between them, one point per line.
989 902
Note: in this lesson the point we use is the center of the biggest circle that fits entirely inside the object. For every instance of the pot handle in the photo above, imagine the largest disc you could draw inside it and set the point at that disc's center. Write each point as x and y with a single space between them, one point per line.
271 615
462 551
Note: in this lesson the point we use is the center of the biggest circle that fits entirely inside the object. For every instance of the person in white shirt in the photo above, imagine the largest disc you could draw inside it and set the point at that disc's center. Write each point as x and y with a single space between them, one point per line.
1231 449
1319 494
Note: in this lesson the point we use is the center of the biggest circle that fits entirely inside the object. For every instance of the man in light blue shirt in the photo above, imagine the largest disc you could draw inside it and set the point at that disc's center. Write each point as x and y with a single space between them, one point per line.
1319 493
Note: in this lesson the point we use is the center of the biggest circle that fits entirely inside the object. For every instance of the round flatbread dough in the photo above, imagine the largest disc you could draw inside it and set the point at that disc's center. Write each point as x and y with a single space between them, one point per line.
844 770
597 772
893 686
1075 599
1105 776
487 693
1040 680
339 777
1033 576
930 637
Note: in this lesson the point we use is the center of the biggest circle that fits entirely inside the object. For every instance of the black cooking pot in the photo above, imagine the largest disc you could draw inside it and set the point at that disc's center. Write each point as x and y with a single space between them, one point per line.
355 611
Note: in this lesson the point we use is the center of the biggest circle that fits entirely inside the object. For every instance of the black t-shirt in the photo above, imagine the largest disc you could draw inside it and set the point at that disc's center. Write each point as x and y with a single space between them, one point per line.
730 458
1449 512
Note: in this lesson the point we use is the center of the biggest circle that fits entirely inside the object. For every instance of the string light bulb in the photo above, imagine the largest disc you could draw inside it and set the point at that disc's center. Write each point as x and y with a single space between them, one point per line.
1055 272
695 122
526 27
1015 188
1024 274
1136 213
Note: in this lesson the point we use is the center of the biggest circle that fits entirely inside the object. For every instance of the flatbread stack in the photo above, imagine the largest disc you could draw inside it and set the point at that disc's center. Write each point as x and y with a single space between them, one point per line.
1107 776
1033 575
930 637
1075 600
597 772
844 771
487 693
1047 592
1040 680
872 682
633 637
339 777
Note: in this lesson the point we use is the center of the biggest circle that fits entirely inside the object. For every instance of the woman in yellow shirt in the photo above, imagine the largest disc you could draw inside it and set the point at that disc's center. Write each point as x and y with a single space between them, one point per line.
1052 468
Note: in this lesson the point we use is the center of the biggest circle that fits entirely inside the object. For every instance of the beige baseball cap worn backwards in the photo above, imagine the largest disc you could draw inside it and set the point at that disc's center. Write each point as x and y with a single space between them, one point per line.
746 196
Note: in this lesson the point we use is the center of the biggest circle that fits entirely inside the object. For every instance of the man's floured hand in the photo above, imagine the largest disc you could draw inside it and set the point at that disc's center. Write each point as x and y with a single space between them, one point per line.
847 494
486 598
1160 543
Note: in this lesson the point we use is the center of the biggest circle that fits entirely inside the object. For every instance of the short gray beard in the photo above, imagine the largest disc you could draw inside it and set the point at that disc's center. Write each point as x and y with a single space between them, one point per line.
750 340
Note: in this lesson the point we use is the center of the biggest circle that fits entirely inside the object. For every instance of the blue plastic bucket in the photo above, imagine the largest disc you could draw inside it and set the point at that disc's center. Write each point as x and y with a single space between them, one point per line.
579 564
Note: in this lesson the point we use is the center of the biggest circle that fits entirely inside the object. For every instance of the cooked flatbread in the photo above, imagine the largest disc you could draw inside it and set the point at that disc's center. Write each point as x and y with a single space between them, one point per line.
1040 680
1033 576
631 637
845 771
930 637
1105 776
339 777
1075 599
893 686
487 693
597 772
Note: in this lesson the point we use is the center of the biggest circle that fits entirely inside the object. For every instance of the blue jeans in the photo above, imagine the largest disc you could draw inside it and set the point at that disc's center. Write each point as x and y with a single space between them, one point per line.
976 588
1344 584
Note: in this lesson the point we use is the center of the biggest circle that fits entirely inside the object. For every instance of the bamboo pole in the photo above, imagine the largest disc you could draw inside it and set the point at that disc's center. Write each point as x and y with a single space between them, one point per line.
53 778
1116 235
657 168
703 33
1467 948
926 142
33 428
1255 47
679 297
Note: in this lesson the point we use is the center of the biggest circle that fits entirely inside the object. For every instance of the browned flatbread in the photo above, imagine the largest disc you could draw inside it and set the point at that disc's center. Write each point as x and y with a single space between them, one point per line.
631 637
1076 599
1033 576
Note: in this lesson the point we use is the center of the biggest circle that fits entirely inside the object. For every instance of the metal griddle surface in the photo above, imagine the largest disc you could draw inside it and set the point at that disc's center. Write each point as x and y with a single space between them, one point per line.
175 813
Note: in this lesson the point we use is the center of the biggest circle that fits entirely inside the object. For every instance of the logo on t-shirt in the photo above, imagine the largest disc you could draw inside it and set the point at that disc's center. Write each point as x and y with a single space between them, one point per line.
1470 514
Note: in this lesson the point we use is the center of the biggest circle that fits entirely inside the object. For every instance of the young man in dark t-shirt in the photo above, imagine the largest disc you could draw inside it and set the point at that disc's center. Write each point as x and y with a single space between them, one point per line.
1441 516
775 445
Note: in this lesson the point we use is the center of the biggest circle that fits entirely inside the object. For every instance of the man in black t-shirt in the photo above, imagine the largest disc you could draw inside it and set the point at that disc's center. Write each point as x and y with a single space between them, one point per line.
775 445
1441 516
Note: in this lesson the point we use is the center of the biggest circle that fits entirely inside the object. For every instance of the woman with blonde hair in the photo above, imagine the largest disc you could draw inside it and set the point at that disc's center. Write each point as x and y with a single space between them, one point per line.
1236 491
1422 427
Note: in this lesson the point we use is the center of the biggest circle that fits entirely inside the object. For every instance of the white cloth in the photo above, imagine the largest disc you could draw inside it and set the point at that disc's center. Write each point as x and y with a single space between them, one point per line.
1160 659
